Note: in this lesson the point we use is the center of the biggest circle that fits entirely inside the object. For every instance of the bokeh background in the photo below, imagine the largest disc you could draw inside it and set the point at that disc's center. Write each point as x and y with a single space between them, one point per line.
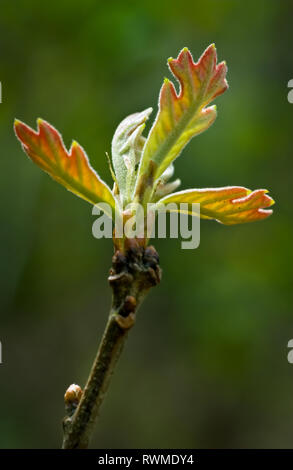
206 365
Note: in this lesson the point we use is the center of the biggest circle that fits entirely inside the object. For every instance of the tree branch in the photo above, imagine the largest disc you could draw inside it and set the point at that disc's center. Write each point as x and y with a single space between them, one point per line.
132 275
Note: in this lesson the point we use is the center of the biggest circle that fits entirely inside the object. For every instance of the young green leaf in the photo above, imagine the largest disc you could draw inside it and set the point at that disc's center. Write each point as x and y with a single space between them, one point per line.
71 169
164 186
127 145
229 205
181 116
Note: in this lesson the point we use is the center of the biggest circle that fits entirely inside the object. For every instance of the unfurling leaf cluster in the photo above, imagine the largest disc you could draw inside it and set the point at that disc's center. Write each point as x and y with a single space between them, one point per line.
143 167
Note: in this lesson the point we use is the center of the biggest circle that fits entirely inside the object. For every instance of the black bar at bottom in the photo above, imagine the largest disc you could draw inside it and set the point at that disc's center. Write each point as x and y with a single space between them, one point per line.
134 458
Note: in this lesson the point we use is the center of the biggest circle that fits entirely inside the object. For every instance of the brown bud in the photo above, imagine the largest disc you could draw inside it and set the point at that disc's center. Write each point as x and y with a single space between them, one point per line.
151 257
125 322
118 261
129 304
73 394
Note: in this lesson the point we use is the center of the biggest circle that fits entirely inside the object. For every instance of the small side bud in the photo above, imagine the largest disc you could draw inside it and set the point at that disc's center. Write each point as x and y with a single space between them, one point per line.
72 395
151 257
119 261
125 323
129 304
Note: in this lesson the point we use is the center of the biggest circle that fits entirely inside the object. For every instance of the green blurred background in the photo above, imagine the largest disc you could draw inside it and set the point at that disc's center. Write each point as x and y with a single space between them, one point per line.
206 365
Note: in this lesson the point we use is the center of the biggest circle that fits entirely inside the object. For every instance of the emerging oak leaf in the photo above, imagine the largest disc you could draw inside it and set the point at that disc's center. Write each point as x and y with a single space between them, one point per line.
181 116
230 205
71 169
127 145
